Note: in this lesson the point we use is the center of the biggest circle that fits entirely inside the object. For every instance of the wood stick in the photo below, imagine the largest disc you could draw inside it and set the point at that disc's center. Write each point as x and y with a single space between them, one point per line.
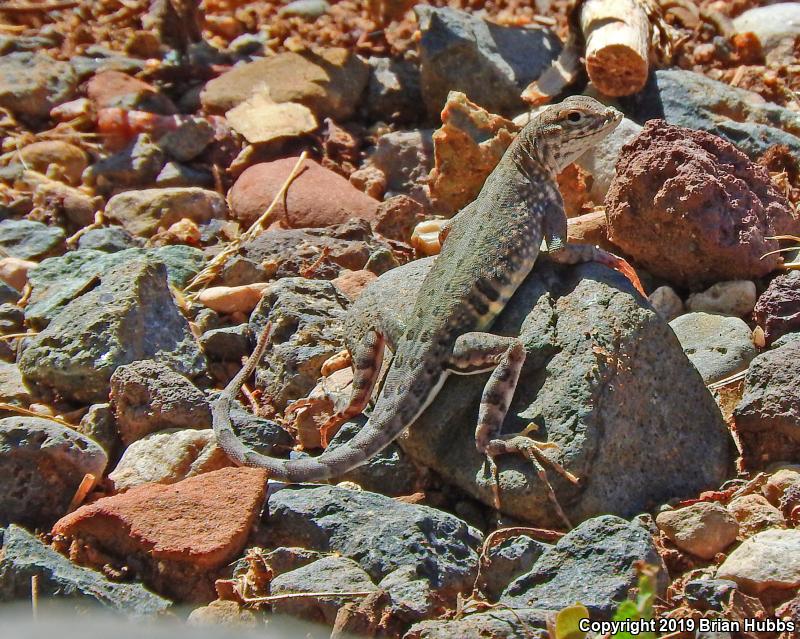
617 35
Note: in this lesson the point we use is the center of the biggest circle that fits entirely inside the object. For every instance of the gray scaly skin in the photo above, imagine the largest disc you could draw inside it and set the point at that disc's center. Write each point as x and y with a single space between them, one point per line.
489 248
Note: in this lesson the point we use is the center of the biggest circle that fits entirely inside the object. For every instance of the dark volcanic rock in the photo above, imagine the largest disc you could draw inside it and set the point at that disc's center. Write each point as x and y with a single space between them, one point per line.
109 239
778 309
42 463
692 209
527 623
506 561
129 316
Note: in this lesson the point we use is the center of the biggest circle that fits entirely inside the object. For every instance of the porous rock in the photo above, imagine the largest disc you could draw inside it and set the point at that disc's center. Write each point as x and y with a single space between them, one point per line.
29 240
703 529
692 209
777 310
33 83
768 560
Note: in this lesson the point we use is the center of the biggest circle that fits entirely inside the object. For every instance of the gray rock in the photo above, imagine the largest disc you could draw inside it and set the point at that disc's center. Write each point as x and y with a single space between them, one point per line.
129 316
601 161
175 174
12 387
228 344
709 594
768 416
109 239
491 64
776 27
736 298
390 472
58 281
432 548
309 9
768 560
14 44
262 435
666 302
506 561
393 91
718 346
605 379
692 100
99 424
329 574
135 166
33 83
8 294
146 211
406 159
12 318
62 582
30 240
306 317
594 564
189 140
42 463
148 395
528 623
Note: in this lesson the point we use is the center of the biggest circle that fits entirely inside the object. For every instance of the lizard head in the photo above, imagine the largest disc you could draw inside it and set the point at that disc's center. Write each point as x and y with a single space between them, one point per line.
562 132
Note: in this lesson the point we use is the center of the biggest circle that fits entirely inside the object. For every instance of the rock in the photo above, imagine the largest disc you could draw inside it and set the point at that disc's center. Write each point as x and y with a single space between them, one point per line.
390 472
666 303
28 240
594 564
779 483
506 561
709 594
12 387
694 101
703 529
755 514
260 119
222 612
42 463
317 197
262 435
232 299
64 204
329 574
490 63
778 309
176 175
498 624
397 216
467 147
109 239
568 317
144 212
148 395
718 346
167 457
227 344
113 89
768 560
129 316
329 82
12 319
9 294
189 140
601 161
99 424
23 556
306 317
14 273
768 417
136 165
735 298
177 534
393 91
711 222
308 9
352 283
776 27
33 83
421 556
404 158
70 160
58 281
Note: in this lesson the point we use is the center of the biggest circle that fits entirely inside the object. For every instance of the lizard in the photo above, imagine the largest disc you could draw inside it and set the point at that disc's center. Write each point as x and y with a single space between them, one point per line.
488 248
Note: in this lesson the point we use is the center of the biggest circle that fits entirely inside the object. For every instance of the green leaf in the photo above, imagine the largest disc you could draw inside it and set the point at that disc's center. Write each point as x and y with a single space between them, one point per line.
567 622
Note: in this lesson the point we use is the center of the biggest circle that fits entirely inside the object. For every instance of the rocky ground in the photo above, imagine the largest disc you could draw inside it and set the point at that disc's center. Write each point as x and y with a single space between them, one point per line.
175 176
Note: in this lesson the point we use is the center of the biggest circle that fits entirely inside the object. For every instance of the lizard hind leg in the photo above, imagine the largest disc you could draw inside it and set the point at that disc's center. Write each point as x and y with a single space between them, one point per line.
367 359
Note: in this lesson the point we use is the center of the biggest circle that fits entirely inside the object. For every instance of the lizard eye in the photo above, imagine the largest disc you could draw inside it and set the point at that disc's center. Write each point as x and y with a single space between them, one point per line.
574 116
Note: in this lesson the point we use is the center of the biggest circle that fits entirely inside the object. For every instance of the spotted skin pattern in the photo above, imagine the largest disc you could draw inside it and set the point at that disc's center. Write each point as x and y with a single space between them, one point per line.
491 246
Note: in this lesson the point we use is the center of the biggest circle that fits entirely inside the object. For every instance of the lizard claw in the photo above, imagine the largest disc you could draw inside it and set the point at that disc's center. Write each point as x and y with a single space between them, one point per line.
623 266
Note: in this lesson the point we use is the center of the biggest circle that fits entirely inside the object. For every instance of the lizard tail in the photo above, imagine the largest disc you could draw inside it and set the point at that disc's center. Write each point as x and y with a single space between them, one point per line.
393 412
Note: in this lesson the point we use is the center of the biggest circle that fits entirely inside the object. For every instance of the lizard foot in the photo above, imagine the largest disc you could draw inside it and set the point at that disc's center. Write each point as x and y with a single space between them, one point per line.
623 266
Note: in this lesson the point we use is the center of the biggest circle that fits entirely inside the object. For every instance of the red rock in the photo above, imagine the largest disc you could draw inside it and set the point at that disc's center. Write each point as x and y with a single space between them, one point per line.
693 209
778 309
317 197
398 216
109 89
352 283
175 534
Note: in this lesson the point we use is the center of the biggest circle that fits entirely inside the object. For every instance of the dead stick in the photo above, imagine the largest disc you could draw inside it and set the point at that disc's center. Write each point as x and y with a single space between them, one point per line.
35 597
299 595
32 8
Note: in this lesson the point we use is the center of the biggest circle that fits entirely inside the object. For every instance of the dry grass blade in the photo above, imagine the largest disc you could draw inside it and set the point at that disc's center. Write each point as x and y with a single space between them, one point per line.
211 270
86 485
32 413
29 7
300 595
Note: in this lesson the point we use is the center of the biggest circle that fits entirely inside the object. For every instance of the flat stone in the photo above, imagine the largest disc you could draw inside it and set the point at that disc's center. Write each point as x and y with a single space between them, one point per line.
260 119
703 529
33 83
178 534
114 89
309 9
131 315
770 559
57 281
490 63
594 564
736 298
328 81
70 159
718 346
109 239
42 463
778 309
317 197
142 213
29 240
62 583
